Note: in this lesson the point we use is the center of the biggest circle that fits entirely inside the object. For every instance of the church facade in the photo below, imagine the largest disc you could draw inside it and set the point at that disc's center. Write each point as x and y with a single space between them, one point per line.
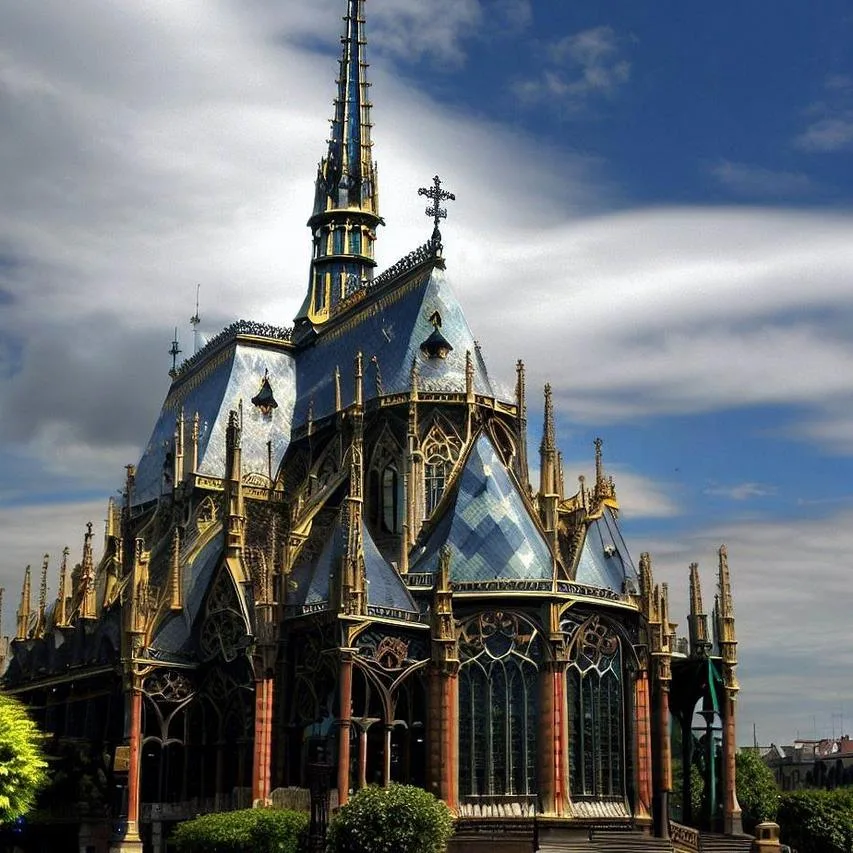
330 553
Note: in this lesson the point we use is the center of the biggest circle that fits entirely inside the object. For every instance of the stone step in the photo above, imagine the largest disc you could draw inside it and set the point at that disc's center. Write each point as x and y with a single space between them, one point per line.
612 841
714 843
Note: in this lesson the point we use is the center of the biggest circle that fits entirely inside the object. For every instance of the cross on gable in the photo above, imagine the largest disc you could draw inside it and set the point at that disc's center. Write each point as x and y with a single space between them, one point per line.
435 211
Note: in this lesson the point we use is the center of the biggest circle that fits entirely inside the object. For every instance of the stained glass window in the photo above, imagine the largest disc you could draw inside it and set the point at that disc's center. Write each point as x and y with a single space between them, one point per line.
435 478
498 705
596 711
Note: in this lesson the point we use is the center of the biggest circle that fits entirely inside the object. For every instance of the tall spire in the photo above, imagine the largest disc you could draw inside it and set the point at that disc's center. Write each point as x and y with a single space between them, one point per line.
346 200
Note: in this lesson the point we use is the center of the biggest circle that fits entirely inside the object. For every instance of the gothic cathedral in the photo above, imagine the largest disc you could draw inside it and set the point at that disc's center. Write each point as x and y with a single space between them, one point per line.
330 554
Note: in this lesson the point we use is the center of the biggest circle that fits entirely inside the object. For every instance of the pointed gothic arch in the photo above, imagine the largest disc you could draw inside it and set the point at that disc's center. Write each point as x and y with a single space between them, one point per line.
596 696
500 657
441 449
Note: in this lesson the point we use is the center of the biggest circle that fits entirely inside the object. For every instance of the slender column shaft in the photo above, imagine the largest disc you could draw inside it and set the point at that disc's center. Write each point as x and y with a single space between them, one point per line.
553 742
643 747
344 725
386 755
731 808
665 762
362 758
263 733
450 736
134 768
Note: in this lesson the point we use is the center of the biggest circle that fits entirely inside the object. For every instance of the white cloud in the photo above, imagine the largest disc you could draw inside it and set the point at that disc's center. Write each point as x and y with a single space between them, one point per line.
578 67
755 181
827 134
741 491
832 126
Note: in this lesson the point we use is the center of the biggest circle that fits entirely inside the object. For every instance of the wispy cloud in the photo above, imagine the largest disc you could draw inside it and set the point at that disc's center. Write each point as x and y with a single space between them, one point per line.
831 128
756 182
741 491
577 68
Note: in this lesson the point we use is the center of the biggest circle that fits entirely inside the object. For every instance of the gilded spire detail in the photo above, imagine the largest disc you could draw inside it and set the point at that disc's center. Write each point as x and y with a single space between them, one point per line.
24 608
346 199
88 605
698 620
41 623
61 619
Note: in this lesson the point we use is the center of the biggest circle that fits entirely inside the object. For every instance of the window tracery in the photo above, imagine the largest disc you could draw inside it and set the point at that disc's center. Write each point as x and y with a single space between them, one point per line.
224 630
596 709
498 705
441 449
386 486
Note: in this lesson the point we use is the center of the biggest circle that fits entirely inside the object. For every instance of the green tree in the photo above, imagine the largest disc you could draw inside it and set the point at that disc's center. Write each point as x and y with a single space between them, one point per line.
817 821
22 765
390 820
757 791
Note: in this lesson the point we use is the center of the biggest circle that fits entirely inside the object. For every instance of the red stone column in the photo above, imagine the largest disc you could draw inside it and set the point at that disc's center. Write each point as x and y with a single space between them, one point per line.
268 750
732 824
553 741
344 726
643 749
131 837
664 750
449 784
263 739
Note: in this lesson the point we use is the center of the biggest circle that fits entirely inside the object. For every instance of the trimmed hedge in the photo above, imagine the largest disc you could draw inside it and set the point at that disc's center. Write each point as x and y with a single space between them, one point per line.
391 820
244 831
816 821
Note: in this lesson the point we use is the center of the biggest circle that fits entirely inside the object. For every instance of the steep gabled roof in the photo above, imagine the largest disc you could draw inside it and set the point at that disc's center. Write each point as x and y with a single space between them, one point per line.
390 326
604 559
311 579
487 525
217 387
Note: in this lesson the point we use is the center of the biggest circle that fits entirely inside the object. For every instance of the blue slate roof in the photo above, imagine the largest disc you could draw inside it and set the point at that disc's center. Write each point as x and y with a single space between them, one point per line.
385 587
231 376
392 328
604 560
174 633
487 526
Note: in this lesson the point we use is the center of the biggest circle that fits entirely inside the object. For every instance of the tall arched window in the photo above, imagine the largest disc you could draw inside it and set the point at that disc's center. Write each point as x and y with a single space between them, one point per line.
498 706
390 499
596 711
441 449
435 479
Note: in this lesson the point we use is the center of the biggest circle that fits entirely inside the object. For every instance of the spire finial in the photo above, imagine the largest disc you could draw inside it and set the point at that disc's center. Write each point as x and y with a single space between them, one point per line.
175 351
435 211
195 320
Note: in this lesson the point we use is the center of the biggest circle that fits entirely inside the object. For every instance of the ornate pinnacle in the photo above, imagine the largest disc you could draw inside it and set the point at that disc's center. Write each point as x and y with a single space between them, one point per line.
62 597
43 594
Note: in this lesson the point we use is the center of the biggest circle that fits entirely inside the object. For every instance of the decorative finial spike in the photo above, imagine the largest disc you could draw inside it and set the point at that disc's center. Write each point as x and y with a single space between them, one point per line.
435 211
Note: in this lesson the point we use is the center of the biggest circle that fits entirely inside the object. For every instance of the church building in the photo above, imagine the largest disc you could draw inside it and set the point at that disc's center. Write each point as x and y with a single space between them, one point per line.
331 554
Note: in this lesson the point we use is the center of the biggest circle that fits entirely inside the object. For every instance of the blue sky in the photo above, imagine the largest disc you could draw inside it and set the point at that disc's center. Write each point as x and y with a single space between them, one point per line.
653 211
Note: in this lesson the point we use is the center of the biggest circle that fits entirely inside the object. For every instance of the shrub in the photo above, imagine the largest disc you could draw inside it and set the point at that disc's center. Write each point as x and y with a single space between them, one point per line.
757 791
390 820
22 765
817 821
244 831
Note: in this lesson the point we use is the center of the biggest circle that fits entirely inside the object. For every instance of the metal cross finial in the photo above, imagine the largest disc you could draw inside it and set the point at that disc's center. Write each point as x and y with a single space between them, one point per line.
175 351
438 195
